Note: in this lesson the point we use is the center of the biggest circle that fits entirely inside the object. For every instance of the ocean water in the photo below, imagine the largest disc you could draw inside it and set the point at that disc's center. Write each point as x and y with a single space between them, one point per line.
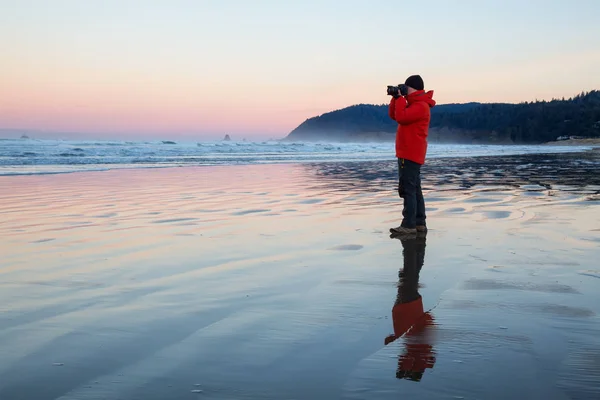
33 156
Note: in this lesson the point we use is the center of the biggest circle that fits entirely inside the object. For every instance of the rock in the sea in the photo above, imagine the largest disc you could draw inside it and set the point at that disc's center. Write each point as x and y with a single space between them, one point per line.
227 138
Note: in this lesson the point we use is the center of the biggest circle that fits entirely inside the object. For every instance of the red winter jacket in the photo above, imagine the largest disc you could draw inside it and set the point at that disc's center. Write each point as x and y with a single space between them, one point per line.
413 114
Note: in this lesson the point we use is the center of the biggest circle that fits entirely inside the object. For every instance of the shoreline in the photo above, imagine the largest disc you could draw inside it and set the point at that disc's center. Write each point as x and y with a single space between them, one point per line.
61 169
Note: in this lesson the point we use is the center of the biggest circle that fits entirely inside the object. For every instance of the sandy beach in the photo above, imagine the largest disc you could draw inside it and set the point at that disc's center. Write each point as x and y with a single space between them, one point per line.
282 282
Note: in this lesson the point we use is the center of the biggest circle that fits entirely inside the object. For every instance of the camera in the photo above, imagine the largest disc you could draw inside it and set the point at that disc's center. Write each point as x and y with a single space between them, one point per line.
396 91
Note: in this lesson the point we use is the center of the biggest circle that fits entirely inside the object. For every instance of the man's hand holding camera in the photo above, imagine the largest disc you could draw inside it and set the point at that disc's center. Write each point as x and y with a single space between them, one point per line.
397 91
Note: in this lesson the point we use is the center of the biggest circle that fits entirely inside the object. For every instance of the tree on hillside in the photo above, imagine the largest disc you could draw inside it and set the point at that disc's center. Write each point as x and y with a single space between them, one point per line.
527 122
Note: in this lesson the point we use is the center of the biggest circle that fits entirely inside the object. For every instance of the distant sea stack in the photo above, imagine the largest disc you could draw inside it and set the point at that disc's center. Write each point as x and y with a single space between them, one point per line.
24 137
227 138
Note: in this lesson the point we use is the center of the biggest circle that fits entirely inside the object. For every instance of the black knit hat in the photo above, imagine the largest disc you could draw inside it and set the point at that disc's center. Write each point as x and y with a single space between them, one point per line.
415 82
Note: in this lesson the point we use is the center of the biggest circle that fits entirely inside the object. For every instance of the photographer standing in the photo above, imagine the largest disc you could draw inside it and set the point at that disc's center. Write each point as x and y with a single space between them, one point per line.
411 108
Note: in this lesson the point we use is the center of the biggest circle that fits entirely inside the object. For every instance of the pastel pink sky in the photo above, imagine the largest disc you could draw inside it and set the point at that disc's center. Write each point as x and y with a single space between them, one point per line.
204 68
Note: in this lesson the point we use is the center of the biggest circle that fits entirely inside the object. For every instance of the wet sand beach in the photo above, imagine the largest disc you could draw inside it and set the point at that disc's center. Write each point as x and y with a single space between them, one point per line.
282 282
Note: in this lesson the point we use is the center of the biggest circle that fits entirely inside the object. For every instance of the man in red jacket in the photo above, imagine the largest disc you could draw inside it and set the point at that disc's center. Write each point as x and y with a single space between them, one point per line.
412 111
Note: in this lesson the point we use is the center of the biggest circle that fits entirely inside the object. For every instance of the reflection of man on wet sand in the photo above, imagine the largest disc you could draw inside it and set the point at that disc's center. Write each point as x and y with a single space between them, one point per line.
408 315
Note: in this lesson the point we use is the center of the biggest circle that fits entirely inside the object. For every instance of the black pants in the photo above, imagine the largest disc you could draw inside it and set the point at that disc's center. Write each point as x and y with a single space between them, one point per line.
414 257
409 188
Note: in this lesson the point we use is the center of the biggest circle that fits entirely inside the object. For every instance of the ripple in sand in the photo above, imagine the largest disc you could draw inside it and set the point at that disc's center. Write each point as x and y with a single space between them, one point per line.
590 273
77 223
311 201
477 258
245 212
564 188
455 210
44 240
168 221
533 193
497 214
347 247
433 199
490 284
587 201
494 192
532 187
481 200
362 282
562 311
109 215
462 304
581 373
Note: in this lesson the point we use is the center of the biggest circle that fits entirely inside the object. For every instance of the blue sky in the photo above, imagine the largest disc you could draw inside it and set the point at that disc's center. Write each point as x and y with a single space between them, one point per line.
263 66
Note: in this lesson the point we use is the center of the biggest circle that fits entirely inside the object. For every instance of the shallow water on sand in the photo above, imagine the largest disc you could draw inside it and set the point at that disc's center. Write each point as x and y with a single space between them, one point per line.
281 282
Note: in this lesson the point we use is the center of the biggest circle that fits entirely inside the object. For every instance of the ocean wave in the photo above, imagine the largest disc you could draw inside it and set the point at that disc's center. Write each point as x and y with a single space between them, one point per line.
70 155
49 155
26 154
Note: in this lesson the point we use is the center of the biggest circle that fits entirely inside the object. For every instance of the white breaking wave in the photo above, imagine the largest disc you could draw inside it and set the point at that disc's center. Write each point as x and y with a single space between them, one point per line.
28 156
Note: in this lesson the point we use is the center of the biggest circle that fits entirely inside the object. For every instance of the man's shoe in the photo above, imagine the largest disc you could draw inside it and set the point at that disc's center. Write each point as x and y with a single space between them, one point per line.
403 231
421 228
